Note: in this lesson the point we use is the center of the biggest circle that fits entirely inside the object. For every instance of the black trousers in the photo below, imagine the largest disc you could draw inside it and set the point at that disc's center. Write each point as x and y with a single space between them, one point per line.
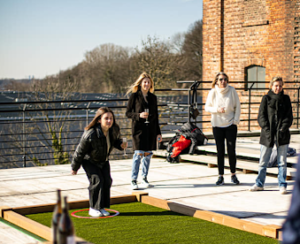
228 133
100 184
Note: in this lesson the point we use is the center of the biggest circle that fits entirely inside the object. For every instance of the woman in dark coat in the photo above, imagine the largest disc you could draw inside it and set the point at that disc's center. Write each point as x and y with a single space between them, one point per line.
97 141
145 127
275 118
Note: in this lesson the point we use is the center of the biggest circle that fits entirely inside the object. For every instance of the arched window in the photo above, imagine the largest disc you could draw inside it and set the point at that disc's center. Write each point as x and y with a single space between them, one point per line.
256 73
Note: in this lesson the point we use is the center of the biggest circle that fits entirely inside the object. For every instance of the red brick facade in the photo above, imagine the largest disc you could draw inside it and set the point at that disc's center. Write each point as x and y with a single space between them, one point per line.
241 33
238 34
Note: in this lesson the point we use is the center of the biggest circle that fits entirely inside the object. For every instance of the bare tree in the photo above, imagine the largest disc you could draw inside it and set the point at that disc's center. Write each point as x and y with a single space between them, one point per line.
192 52
109 66
157 58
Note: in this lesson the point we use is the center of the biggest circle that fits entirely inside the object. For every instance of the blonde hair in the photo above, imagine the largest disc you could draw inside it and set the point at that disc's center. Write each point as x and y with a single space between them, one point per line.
274 79
135 86
217 77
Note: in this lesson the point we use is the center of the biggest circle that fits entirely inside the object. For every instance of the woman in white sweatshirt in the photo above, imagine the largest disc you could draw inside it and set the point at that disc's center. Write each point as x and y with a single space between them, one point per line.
224 105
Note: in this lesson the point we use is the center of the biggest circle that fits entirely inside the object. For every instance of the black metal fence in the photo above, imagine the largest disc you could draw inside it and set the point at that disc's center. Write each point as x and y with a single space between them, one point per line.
36 131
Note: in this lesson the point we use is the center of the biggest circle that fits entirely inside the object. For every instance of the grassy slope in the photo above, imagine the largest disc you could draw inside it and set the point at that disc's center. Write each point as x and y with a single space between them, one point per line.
141 223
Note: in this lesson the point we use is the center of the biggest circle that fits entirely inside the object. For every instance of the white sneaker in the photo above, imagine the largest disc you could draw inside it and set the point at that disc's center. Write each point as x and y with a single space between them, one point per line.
282 190
104 212
95 213
134 185
256 188
145 183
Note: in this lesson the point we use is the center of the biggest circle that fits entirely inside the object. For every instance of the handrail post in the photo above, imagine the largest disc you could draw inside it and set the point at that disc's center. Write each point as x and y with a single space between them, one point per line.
298 104
249 107
193 97
87 114
189 105
23 137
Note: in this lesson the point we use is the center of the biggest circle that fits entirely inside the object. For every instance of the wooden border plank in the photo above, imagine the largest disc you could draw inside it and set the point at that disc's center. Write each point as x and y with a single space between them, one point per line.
28 224
72 205
139 194
264 230
14 216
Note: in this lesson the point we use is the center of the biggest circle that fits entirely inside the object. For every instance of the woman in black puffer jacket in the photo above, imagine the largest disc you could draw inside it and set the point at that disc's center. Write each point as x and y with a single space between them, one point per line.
275 118
97 141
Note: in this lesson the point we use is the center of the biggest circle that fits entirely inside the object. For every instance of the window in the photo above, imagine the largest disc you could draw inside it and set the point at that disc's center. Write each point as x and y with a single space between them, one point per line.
258 74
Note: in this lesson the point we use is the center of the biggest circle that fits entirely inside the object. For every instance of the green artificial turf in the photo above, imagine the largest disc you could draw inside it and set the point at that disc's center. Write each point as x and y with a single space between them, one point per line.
142 223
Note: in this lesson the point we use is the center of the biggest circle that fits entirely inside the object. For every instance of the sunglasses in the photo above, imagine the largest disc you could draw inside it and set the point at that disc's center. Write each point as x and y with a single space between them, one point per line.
224 79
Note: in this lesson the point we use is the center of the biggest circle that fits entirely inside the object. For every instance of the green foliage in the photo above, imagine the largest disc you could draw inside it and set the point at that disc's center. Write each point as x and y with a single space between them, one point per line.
60 157
141 223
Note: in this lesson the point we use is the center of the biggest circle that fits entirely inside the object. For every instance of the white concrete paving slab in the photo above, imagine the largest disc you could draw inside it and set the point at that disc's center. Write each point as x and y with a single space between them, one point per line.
10 235
186 183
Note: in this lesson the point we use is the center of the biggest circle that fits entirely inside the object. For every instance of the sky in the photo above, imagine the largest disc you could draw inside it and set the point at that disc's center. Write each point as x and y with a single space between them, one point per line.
42 37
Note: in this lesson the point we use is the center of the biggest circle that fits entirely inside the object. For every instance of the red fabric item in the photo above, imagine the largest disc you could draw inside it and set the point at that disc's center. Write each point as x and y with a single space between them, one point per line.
180 145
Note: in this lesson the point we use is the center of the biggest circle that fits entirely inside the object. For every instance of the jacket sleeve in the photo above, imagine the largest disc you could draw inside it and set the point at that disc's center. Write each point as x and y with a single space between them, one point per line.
288 119
209 106
237 113
263 119
117 144
82 149
130 111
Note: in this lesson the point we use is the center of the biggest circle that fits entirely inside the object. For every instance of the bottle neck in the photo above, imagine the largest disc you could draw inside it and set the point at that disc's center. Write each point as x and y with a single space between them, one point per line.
65 204
59 201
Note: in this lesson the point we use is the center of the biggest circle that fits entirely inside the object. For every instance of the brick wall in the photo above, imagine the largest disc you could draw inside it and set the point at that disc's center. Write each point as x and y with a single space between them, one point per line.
255 32
241 33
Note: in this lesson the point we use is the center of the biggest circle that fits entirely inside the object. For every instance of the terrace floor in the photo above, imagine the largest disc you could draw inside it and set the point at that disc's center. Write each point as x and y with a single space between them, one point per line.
185 183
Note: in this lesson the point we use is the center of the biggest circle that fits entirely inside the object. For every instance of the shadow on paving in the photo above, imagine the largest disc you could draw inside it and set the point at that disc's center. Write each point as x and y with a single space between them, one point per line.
246 214
269 185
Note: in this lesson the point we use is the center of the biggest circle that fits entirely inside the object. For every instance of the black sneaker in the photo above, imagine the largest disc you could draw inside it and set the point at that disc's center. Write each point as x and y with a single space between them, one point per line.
234 180
220 181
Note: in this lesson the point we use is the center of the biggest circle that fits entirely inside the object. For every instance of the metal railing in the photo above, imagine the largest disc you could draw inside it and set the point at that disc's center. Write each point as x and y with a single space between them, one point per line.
42 132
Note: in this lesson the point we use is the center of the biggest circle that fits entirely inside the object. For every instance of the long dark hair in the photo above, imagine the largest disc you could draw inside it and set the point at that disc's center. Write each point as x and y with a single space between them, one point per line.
115 127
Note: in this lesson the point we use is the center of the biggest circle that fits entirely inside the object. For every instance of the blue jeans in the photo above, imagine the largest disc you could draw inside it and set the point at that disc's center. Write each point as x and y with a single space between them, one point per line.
265 154
137 157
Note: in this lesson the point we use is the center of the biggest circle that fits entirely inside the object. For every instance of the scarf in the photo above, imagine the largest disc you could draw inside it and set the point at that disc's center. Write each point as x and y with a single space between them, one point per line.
275 100
221 90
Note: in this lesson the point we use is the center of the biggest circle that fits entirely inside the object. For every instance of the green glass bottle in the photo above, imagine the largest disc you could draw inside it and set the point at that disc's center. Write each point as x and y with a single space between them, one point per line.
65 227
56 217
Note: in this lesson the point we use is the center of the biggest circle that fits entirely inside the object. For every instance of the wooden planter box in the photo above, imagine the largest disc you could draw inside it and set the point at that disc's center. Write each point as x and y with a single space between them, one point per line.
16 216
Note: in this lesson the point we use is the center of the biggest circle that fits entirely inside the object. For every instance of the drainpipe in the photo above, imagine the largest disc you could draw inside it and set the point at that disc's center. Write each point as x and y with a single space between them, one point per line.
222 36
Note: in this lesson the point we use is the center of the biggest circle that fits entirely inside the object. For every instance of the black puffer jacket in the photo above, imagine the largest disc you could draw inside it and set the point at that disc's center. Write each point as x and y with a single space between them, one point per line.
144 135
275 117
93 147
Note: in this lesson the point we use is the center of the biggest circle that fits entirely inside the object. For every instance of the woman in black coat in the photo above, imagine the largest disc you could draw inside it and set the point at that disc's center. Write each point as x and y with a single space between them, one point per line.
275 118
96 143
145 127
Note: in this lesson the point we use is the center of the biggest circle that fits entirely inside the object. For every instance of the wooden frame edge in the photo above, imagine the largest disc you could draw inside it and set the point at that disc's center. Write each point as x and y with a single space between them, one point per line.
15 215
272 231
